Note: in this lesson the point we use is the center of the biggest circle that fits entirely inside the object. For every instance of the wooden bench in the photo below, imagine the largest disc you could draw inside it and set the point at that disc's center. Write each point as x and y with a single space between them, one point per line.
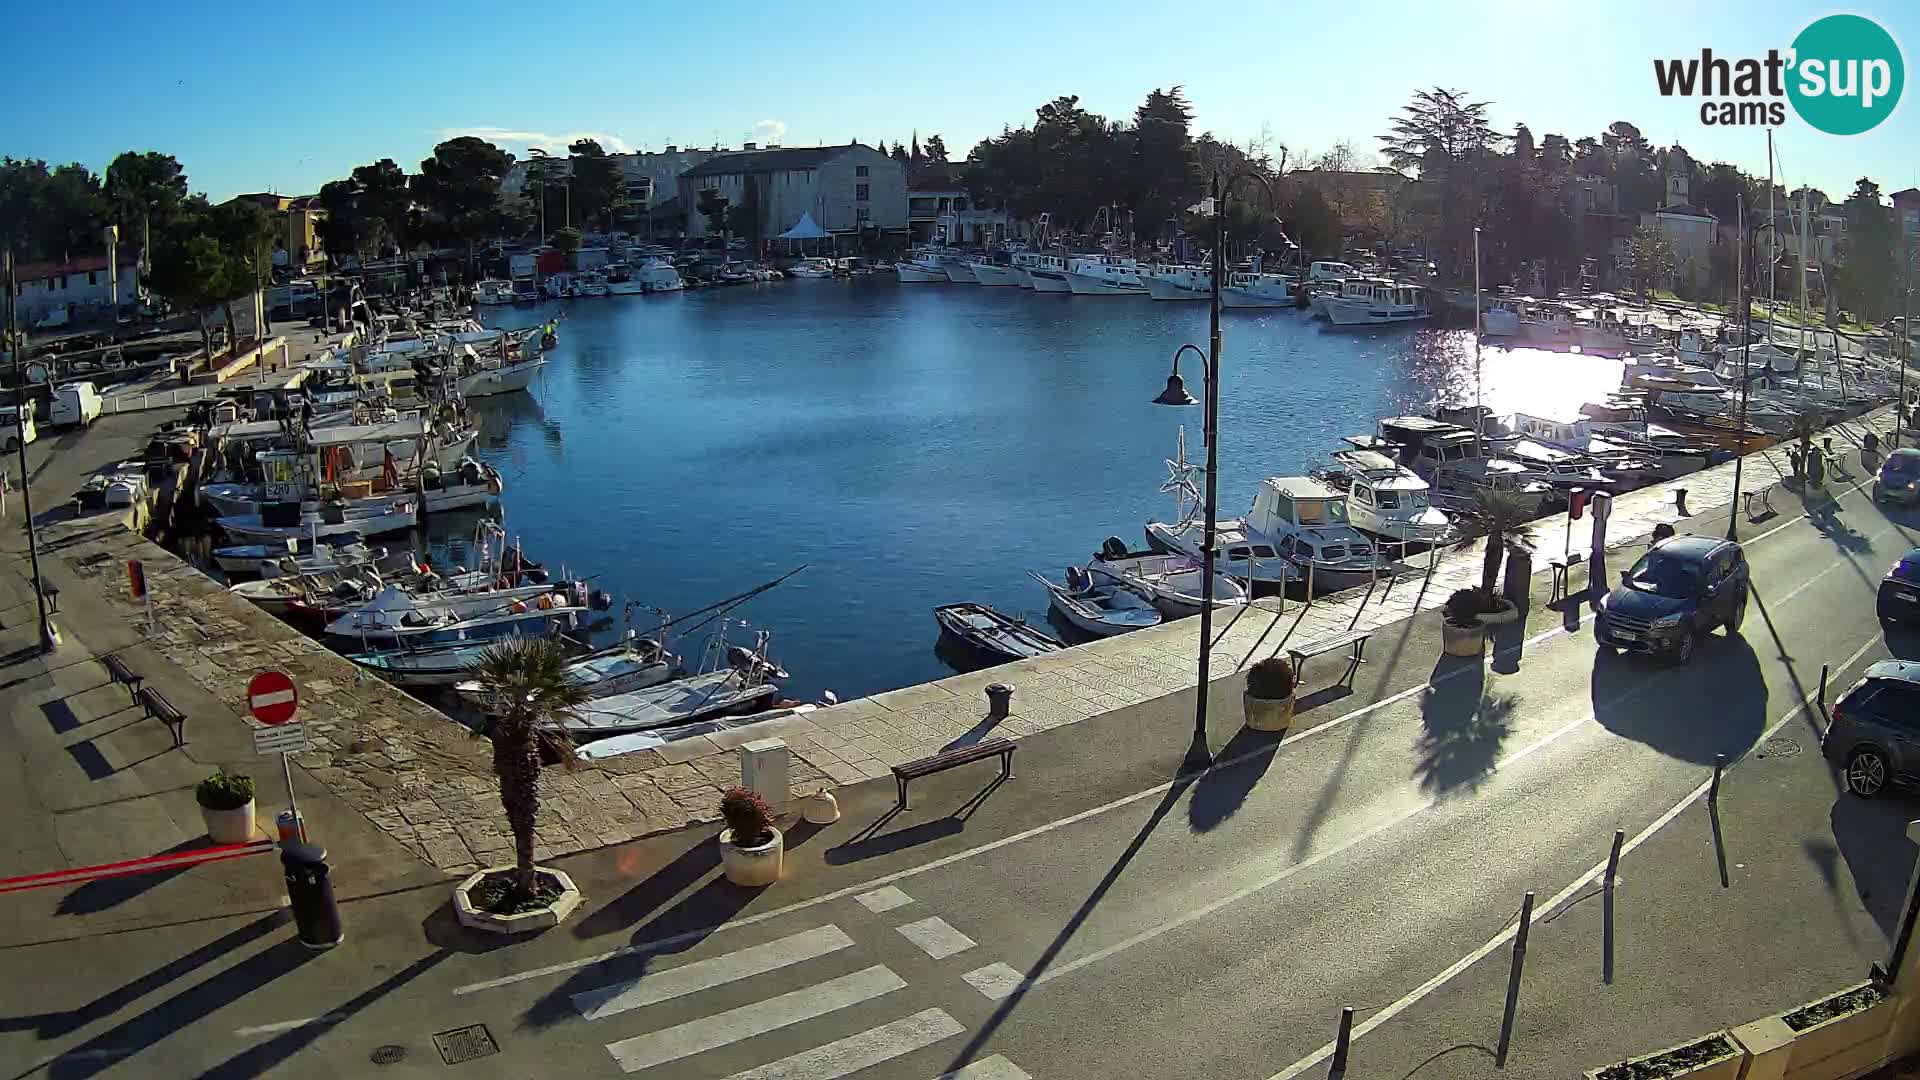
1562 568
1354 640
1764 496
947 759
159 708
119 672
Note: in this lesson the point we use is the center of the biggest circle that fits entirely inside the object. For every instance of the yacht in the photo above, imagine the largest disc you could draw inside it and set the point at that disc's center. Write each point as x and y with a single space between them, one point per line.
1305 520
491 292
1104 275
657 274
1499 317
1348 290
1387 303
1259 290
1178 283
1041 272
810 268
589 284
987 272
1388 500
926 265
621 282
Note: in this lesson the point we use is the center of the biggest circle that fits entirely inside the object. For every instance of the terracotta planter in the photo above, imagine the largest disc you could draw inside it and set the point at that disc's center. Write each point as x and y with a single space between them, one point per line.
1267 714
229 826
1508 613
552 915
1725 1067
752 866
1462 640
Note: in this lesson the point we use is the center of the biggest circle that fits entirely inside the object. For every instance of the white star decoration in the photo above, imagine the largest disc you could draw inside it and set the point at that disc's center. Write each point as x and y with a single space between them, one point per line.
1180 473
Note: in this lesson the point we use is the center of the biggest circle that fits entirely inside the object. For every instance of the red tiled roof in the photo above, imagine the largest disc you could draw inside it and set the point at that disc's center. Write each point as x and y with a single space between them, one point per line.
40 271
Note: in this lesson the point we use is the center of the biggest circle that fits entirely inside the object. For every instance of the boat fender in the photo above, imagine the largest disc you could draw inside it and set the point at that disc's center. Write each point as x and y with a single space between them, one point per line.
518 607
545 602
598 600
1113 547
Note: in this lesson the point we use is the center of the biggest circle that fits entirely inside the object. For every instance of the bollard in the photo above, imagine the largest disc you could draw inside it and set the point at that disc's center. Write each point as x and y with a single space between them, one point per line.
316 917
1606 921
1513 981
1680 501
999 700
1613 858
1340 1044
1719 764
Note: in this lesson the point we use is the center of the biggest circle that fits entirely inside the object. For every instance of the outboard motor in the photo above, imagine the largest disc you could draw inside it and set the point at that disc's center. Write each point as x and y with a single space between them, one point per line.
470 471
1077 579
1113 547
598 600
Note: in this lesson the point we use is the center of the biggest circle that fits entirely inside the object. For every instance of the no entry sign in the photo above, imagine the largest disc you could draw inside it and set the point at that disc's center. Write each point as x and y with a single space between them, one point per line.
272 698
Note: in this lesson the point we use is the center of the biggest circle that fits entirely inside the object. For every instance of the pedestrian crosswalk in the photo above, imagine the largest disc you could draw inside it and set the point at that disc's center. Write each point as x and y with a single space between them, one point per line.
826 1004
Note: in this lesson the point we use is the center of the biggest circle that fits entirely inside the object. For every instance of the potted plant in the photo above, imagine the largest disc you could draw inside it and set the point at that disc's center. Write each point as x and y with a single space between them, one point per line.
1461 631
1268 700
751 849
226 805
525 682
1505 515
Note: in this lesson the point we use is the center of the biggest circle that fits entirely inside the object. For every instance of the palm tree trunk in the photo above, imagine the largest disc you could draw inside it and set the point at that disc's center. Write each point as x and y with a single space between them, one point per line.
516 760
1490 565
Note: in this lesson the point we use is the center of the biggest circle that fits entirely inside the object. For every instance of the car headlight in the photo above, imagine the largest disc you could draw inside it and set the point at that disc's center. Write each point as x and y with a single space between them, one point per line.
1668 621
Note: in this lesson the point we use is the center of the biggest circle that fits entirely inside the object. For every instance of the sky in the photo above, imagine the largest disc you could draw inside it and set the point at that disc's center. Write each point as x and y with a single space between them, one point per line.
257 97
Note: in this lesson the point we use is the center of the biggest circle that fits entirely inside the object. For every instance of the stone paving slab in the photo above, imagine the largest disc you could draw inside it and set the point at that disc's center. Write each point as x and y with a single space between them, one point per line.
427 782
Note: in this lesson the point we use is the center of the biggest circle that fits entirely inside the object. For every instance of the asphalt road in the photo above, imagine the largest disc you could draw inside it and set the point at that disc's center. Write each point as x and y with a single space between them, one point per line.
1103 916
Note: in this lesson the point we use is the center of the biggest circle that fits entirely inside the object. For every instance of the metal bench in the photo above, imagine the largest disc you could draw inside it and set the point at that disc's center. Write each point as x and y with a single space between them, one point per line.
1763 496
159 708
959 755
1353 640
119 672
1562 568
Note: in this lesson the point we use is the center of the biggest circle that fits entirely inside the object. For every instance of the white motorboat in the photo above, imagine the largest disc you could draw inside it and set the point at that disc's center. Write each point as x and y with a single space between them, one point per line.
284 594
1173 583
1235 554
1101 610
1500 317
395 609
987 272
657 274
1104 275
273 524
621 281
1042 272
505 379
274 560
1259 290
1178 283
681 701
1306 522
810 268
926 265
1388 304
491 292
591 284
634 664
473 483
1388 500
448 629
959 269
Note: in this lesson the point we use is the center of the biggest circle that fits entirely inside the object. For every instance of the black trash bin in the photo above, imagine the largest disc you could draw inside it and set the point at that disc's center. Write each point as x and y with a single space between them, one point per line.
316 917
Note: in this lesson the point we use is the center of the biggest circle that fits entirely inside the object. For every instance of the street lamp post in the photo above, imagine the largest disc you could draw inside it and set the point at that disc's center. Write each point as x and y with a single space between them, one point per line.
18 346
1176 394
1748 239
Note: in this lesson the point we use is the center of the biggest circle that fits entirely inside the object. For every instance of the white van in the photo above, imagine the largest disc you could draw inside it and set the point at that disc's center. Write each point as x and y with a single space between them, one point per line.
12 432
74 403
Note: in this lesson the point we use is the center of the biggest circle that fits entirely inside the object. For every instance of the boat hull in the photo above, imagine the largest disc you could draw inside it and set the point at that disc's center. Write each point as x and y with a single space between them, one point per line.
1242 298
503 380
907 272
1356 315
1049 281
1161 289
997 276
961 274
1088 285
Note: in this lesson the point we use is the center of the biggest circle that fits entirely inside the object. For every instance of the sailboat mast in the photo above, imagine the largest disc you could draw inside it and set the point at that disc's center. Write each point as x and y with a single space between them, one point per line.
1479 422
1771 235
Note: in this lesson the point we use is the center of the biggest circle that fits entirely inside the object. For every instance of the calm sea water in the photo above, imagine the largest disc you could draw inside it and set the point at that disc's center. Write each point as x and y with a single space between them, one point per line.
916 445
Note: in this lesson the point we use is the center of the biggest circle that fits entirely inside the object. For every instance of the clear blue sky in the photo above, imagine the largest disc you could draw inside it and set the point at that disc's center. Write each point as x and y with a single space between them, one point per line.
252 97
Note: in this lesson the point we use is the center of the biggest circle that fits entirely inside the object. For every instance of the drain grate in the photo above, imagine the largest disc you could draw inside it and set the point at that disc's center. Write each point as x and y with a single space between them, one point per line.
1779 746
465 1044
387 1055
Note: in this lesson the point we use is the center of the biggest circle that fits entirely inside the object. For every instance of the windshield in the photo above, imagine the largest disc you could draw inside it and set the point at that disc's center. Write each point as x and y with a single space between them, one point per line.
1902 464
1665 574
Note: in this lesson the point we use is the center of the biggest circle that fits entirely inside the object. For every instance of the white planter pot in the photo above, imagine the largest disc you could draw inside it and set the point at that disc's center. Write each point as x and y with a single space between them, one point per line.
755 865
551 915
229 826
1267 714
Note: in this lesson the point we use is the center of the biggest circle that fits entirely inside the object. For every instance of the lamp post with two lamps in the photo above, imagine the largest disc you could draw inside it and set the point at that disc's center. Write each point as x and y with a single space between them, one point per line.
1176 394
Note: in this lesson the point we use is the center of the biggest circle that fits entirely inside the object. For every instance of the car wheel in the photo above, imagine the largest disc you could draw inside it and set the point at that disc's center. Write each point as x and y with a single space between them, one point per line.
1866 772
1739 616
1684 652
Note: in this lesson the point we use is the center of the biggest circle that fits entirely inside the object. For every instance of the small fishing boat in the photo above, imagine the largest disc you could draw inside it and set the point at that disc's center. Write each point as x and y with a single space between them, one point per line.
993 635
271 524
634 664
1173 582
742 680
424 667
287 594
1100 610
503 379
271 560
447 628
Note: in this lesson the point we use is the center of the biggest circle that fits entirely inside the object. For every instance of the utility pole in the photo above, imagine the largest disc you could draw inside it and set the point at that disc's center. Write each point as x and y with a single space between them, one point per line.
18 346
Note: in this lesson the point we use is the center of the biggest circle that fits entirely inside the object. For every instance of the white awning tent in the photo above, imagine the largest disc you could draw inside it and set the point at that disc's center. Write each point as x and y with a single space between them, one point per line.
803 230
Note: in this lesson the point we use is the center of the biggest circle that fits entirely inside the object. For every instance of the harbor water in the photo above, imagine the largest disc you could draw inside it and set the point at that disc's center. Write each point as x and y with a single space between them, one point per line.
917 445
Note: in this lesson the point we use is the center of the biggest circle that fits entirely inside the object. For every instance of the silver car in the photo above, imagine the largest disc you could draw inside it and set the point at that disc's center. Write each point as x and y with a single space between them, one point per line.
1875 734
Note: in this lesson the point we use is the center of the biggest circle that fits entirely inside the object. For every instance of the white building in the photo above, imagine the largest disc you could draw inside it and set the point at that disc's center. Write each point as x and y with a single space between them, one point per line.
1690 232
79 286
846 189
939 210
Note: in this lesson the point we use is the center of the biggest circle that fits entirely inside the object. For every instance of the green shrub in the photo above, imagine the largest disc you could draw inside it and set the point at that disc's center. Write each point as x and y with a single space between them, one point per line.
747 815
225 791
1465 607
1271 679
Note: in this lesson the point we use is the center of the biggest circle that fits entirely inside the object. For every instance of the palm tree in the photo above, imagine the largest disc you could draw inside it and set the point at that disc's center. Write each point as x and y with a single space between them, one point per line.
525 680
1502 512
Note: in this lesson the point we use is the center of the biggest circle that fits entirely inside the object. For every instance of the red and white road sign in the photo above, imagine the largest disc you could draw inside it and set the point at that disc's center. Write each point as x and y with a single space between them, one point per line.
272 697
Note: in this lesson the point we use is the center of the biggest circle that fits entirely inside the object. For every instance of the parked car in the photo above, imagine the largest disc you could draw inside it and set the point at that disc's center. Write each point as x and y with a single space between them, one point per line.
1899 599
1875 733
1681 589
1899 477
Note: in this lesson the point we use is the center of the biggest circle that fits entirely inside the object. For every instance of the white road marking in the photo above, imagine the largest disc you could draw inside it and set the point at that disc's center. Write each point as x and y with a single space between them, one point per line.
874 884
288 1025
278 697
856 1052
880 900
997 981
658 986
936 937
1541 912
758 1018
991 1068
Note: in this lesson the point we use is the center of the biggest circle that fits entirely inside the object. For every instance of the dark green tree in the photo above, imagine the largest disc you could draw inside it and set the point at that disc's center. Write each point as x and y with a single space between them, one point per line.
713 206
1866 279
935 149
599 190
566 240
1163 176
342 230
191 272
145 191
1446 139
244 232
459 189
383 200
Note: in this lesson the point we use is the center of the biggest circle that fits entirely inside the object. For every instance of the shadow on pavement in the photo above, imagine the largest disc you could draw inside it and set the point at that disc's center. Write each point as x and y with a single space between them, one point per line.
1872 838
646 897
102 893
1715 705
1509 641
1220 792
871 841
259 1059
1462 727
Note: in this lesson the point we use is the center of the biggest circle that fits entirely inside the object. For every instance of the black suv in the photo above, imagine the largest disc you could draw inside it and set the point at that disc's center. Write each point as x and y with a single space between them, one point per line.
1899 599
1684 587
1875 733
